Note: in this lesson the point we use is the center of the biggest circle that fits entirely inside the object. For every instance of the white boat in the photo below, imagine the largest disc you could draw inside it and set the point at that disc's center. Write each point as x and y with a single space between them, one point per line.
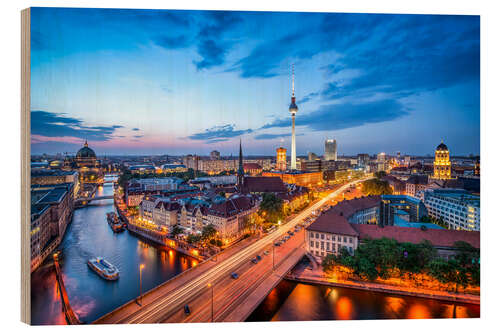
104 268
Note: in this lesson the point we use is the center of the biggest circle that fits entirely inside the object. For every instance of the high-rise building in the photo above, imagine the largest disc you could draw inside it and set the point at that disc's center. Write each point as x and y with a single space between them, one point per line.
381 157
191 161
442 164
330 150
293 110
214 155
281 159
363 160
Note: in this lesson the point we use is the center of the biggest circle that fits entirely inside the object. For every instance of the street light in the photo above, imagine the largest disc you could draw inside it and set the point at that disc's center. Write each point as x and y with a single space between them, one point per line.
211 286
141 266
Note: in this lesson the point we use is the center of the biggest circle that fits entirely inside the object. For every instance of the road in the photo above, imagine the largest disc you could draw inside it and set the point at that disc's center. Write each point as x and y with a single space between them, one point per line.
168 305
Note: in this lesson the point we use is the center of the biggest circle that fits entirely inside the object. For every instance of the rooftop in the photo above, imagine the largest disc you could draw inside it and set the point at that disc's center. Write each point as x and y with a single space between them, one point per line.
263 184
438 237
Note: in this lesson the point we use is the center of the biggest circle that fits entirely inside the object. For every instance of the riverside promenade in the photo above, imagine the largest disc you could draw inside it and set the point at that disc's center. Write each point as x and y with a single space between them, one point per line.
316 276
71 316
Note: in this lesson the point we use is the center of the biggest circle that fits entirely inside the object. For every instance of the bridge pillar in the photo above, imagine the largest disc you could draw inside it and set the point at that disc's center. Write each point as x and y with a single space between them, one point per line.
312 260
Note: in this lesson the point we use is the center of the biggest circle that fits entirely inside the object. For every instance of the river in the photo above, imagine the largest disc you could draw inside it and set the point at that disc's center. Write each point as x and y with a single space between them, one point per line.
291 301
88 236
91 297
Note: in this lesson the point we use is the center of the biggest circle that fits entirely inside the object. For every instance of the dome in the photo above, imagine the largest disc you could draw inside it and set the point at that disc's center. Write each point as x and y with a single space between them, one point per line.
442 146
85 151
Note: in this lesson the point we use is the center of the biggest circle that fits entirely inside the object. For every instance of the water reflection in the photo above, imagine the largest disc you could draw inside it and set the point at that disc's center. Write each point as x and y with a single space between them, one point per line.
291 301
90 296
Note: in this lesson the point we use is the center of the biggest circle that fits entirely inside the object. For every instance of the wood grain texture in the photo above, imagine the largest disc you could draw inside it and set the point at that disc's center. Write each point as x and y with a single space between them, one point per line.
25 167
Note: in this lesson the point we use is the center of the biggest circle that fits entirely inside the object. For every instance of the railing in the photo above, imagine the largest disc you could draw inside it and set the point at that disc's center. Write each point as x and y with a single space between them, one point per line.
71 316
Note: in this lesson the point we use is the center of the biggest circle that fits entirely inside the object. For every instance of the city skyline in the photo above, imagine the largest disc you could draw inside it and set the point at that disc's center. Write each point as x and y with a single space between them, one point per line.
172 82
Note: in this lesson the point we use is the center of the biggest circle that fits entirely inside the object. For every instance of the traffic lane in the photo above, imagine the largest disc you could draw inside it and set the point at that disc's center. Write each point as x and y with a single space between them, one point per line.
224 287
225 298
249 273
248 279
171 301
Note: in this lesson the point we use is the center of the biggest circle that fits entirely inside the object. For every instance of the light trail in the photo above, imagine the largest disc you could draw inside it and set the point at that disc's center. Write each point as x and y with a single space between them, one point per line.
158 308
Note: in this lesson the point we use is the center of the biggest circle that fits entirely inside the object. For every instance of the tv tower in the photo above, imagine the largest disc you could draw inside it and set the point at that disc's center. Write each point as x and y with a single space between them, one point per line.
293 110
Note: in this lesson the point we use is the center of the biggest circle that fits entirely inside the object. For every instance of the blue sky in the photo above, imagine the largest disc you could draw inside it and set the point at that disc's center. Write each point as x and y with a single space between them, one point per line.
177 82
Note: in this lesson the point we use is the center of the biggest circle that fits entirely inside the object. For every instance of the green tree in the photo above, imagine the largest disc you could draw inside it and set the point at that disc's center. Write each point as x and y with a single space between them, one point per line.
124 178
208 232
271 207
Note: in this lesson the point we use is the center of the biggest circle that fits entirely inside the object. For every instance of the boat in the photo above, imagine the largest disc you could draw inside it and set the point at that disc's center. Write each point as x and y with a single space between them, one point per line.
104 268
114 222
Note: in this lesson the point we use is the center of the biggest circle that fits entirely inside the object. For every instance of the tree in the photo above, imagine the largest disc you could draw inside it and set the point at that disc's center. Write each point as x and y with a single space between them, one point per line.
176 230
193 239
329 262
376 187
271 208
208 232
380 174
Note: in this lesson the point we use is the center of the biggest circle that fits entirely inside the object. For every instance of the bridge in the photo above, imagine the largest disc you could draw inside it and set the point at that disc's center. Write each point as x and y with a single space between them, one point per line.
78 201
210 291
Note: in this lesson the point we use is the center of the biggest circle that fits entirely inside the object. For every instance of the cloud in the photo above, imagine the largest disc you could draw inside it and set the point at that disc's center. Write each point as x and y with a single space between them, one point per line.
176 42
211 45
341 116
396 55
50 124
209 37
307 98
219 134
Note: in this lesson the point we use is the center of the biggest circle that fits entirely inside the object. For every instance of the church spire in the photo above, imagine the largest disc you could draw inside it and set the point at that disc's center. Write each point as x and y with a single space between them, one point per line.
241 172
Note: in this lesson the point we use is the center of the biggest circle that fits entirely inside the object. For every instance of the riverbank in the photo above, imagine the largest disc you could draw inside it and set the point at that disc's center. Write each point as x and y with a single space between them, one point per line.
316 276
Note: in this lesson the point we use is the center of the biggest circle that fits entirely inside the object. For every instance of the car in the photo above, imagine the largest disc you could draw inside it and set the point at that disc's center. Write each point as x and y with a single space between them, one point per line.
277 244
266 253
259 258
292 233
254 261
234 275
187 310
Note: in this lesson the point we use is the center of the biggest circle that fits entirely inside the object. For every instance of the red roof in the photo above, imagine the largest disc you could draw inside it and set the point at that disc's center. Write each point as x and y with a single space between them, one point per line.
263 184
335 220
232 206
334 223
251 166
348 207
438 237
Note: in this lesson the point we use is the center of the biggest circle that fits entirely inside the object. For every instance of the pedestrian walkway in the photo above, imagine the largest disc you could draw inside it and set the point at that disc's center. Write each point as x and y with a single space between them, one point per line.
316 276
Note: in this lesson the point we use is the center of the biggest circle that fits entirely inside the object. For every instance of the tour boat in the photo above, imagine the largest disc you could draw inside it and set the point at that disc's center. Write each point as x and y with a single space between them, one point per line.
114 222
104 268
